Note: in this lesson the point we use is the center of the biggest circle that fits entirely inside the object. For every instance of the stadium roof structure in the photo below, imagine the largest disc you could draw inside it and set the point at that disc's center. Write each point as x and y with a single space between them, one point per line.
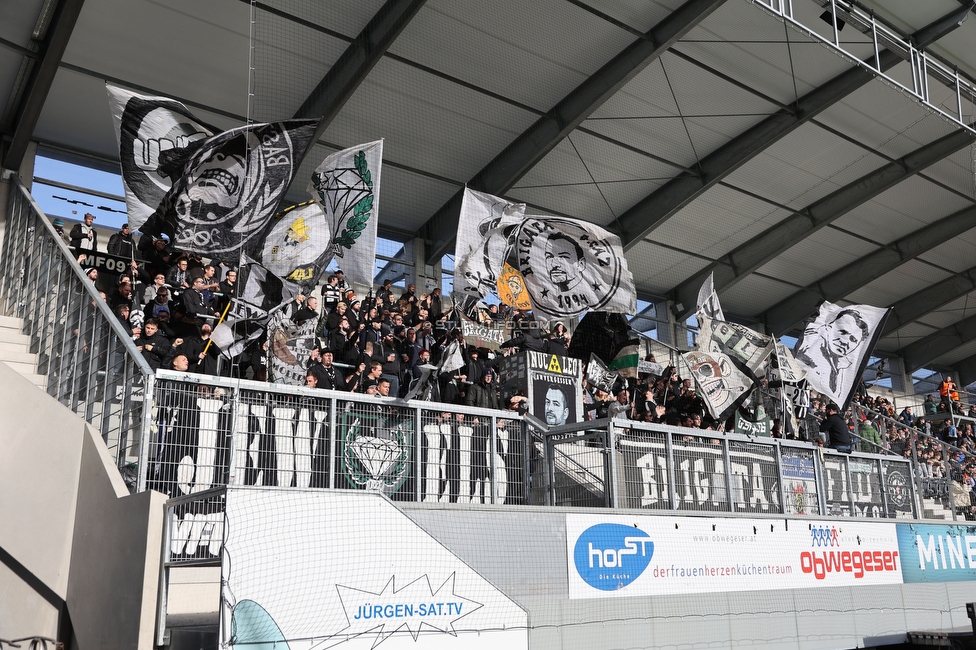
797 156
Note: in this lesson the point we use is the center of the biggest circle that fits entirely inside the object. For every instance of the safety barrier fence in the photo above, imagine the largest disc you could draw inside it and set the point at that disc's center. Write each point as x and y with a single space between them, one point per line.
627 464
91 365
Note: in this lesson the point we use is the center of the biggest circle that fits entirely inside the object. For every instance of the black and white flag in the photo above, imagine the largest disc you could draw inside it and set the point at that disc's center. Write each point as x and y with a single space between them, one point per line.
290 348
720 383
262 294
568 266
347 186
155 134
230 186
296 246
708 302
835 347
747 348
485 236
599 375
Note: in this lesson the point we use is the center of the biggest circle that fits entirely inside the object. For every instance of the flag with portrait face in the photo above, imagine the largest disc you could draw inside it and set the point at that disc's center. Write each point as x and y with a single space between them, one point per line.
347 186
230 186
155 134
835 348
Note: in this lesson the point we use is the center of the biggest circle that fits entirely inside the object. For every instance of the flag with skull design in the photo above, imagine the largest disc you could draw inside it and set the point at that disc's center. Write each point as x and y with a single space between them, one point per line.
227 187
722 386
152 133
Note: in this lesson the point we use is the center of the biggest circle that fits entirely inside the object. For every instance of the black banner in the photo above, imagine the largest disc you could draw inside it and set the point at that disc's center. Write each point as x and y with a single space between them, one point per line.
106 263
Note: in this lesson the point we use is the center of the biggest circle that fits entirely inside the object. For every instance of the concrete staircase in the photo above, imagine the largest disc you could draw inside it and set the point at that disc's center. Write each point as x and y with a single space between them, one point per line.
15 351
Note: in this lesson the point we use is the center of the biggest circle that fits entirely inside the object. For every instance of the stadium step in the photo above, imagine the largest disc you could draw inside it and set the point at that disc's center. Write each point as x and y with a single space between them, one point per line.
15 351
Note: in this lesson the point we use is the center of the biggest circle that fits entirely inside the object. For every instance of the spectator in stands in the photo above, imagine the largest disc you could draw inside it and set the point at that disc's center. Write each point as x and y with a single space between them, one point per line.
155 347
121 243
194 304
482 393
383 387
83 236
946 391
331 293
369 381
193 347
178 277
839 435
870 438
929 405
329 376
621 406
906 417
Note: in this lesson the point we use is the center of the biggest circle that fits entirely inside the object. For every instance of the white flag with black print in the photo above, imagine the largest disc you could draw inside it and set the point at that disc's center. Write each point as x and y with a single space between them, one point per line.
347 186
296 246
572 266
485 235
721 385
708 302
229 188
155 134
747 348
262 294
835 347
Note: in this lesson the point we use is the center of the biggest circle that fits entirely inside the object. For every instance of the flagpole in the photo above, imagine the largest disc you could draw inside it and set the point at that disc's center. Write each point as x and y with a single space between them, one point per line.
222 316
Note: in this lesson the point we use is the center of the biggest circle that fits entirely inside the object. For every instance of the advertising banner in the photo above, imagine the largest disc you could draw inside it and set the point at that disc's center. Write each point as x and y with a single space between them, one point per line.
934 553
306 570
616 556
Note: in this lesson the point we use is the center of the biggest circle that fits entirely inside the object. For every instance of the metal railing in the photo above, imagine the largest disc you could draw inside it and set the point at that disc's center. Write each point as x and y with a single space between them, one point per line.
90 363
924 67
629 464
210 431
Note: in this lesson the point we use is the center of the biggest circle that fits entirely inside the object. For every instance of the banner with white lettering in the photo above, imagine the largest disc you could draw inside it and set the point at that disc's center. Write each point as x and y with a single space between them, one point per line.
937 553
288 579
622 556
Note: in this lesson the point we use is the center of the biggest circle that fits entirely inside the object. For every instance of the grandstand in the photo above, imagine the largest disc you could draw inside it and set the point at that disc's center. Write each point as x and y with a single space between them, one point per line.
795 150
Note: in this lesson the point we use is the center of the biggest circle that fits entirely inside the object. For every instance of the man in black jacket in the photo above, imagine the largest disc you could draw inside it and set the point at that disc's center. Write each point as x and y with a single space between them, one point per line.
839 435
121 243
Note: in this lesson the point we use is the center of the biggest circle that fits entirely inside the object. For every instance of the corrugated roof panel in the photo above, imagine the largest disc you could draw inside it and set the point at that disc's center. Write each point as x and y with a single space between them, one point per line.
964 351
955 255
606 161
953 312
885 119
958 171
738 21
622 195
338 15
904 336
711 132
657 270
17 20
538 52
717 222
908 278
763 66
755 294
646 95
815 65
581 201
663 137
806 159
639 14
699 92
561 166
816 256
461 132
907 207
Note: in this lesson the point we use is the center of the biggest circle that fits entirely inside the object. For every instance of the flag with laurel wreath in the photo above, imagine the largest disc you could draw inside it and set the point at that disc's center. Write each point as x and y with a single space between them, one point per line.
347 186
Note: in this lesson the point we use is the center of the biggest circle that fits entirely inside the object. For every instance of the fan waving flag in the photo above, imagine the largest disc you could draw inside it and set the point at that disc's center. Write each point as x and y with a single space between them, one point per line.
262 294
835 348
231 185
720 384
347 186
154 134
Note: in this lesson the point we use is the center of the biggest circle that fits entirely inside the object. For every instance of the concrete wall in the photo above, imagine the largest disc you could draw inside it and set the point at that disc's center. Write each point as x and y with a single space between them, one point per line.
70 528
522 551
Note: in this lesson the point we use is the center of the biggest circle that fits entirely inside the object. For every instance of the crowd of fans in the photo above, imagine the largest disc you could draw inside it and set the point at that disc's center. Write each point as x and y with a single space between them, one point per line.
382 343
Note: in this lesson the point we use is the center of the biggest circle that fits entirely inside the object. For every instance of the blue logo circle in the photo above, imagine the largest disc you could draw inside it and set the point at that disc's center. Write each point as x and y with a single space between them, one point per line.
611 556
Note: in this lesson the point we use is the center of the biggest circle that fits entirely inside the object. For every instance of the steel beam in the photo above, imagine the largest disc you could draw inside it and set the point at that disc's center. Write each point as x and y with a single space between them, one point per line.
50 53
758 251
531 146
656 208
934 345
910 309
792 310
349 71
